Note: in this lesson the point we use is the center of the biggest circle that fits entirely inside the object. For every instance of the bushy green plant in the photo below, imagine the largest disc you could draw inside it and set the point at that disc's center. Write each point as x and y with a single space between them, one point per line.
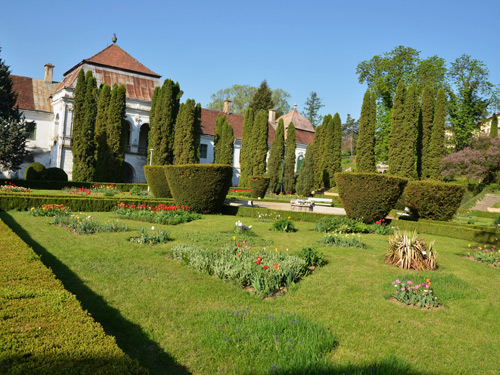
258 186
87 225
408 251
201 187
433 200
54 174
343 224
157 181
416 294
312 257
158 237
343 240
160 214
284 225
34 171
368 196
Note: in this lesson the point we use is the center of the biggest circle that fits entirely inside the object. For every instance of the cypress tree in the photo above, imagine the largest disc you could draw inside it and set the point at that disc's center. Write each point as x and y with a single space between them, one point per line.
154 101
276 155
395 136
305 180
116 134
263 98
337 147
365 157
318 141
289 162
436 145
227 154
246 166
409 136
187 133
101 146
218 145
494 126
259 143
78 116
327 153
83 144
426 120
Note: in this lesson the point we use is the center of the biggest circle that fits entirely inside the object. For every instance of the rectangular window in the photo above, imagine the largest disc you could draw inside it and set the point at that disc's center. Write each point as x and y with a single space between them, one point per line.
203 151
31 131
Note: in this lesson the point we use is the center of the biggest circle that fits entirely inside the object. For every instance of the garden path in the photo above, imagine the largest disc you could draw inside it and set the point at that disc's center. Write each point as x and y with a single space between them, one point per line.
287 207
486 204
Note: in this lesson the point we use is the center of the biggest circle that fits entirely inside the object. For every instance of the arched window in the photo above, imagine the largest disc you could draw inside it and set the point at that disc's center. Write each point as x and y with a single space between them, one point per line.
299 162
128 134
143 139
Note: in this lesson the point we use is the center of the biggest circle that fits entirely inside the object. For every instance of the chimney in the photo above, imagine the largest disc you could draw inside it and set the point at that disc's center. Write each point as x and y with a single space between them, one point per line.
227 106
272 116
49 70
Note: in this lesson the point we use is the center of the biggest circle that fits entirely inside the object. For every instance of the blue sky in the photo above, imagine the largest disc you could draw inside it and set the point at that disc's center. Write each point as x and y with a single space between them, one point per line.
298 46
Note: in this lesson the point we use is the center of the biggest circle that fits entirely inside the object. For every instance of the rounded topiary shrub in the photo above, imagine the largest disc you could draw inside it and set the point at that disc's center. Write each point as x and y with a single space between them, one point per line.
368 197
433 200
157 180
34 171
201 187
55 174
258 186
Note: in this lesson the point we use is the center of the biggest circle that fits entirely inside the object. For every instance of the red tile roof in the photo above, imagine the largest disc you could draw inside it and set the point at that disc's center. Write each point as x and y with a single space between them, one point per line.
115 57
33 94
299 121
24 89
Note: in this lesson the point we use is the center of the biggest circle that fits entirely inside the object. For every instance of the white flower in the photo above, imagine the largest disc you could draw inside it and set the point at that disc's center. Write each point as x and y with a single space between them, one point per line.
249 227
152 228
424 253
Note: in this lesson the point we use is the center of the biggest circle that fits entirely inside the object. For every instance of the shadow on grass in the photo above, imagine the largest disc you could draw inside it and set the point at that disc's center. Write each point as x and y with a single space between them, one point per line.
129 336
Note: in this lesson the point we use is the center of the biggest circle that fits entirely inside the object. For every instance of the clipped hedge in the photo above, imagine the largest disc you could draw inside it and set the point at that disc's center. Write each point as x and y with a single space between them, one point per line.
58 185
258 186
433 200
34 171
311 217
201 187
368 197
23 201
54 174
43 327
157 181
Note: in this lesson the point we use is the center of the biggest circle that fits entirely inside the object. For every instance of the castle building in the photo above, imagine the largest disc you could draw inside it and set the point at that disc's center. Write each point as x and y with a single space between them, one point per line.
50 105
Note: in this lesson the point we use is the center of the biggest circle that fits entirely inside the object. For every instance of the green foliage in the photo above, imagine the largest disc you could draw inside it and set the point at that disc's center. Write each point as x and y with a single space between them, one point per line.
258 186
157 181
305 180
433 199
312 257
48 210
34 171
276 155
289 161
437 141
162 125
425 125
54 174
188 133
410 252
223 141
317 148
258 143
365 154
246 152
219 125
87 224
311 107
368 196
158 237
58 185
284 225
337 147
327 153
160 214
415 294
262 99
343 224
343 240
486 255
201 187
115 134
101 137
494 126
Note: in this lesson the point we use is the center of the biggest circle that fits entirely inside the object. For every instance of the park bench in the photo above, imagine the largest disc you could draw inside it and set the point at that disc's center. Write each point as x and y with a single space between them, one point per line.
301 205
321 201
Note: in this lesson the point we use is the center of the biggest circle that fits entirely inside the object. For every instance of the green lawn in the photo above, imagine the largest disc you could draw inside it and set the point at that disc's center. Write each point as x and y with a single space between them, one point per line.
160 310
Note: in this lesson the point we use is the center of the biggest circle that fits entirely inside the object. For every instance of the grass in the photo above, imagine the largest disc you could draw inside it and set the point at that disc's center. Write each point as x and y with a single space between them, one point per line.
160 311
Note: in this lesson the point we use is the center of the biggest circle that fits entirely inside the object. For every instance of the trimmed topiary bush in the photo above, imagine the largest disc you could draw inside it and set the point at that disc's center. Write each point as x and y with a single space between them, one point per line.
157 180
258 186
433 200
368 196
201 187
54 174
34 171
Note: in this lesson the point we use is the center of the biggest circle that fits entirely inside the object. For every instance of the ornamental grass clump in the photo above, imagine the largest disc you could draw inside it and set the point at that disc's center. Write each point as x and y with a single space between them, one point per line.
343 240
484 254
49 210
158 237
416 294
87 225
276 342
160 214
284 225
408 251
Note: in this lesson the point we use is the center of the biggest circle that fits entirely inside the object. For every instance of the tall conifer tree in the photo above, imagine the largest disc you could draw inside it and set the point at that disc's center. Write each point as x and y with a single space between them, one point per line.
337 147
365 154
424 134
116 133
259 143
305 180
327 153
410 129
436 144
396 142
318 142
276 155
227 154
152 111
187 133
101 146
494 126
289 162
218 145
263 98
246 152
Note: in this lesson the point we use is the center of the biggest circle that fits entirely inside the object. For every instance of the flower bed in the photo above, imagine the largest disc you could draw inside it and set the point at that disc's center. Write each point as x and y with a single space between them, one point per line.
158 237
9 187
343 240
416 294
486 254
160 214
49 210
87 225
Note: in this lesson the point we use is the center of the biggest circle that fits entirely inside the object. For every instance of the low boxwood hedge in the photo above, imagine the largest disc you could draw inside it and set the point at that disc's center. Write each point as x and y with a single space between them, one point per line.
34 171
201 187
157 181
55 174
58 185
368 197
433 200
43 327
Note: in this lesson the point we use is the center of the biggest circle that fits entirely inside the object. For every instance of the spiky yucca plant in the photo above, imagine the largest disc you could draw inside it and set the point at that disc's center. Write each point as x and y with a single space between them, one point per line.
407 251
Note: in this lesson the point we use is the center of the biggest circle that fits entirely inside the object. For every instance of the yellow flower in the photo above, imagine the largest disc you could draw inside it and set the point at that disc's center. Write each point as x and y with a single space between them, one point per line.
469 245
234 238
